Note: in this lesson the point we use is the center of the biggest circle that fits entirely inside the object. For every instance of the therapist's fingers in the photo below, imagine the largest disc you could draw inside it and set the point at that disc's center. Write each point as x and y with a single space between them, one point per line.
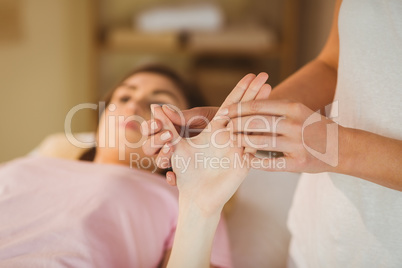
155 142
263 107
255 87
266 143
171 178
261 124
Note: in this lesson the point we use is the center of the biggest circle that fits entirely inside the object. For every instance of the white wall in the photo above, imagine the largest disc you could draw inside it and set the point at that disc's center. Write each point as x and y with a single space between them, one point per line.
43 73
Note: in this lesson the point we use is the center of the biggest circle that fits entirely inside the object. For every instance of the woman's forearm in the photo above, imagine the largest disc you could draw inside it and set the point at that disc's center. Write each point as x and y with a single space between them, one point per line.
204 189
313 85
194 237
370 156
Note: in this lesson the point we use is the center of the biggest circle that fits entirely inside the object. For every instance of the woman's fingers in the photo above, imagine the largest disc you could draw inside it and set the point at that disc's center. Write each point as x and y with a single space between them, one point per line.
163 158
166 123
155 142
247 89
255 87
264 93
160 129
251 91
171 178
150 127
192 120
239 90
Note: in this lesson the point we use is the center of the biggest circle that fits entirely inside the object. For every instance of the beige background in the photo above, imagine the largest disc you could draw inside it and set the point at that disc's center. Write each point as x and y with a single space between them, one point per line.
48 62
43 73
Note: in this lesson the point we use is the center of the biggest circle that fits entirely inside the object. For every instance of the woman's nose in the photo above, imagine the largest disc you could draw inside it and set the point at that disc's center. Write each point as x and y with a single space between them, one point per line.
138 107
132 107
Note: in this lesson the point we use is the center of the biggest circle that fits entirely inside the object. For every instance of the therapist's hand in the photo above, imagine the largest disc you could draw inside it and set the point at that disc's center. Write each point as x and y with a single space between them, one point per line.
308 140
190 120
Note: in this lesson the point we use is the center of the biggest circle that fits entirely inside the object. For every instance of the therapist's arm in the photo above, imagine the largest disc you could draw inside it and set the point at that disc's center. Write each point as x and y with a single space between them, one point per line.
358 153
323 146
314 84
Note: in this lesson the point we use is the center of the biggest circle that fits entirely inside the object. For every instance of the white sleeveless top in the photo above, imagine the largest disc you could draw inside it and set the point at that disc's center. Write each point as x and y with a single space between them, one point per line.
343 221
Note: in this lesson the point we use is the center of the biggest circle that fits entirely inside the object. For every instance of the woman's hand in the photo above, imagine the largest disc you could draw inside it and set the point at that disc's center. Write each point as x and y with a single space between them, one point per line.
209 168
308 140
207 175
184 121
187 123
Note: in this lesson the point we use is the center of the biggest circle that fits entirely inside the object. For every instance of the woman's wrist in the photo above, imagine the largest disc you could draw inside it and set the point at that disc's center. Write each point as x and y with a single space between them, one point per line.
198 209
194 236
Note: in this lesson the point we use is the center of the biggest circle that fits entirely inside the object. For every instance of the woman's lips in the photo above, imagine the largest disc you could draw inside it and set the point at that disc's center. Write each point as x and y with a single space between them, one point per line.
133 125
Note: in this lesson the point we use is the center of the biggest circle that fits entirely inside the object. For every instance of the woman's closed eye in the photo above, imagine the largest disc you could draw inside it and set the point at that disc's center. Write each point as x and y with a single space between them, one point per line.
161 101
124 99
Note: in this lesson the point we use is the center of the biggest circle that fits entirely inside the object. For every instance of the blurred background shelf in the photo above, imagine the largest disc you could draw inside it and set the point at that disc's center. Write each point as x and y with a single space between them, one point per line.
213 43
227 43
128 40
234 42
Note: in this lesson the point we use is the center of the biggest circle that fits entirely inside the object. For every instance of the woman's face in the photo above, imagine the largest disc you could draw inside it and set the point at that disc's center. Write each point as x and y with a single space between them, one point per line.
130 105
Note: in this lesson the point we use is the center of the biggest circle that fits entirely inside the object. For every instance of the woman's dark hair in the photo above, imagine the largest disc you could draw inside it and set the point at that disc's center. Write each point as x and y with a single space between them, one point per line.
190 91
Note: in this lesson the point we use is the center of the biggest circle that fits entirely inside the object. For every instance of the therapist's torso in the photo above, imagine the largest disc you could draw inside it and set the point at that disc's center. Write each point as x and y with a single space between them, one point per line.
343 221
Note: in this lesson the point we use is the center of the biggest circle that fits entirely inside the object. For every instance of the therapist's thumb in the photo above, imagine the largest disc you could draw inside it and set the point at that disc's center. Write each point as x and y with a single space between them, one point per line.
198 117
